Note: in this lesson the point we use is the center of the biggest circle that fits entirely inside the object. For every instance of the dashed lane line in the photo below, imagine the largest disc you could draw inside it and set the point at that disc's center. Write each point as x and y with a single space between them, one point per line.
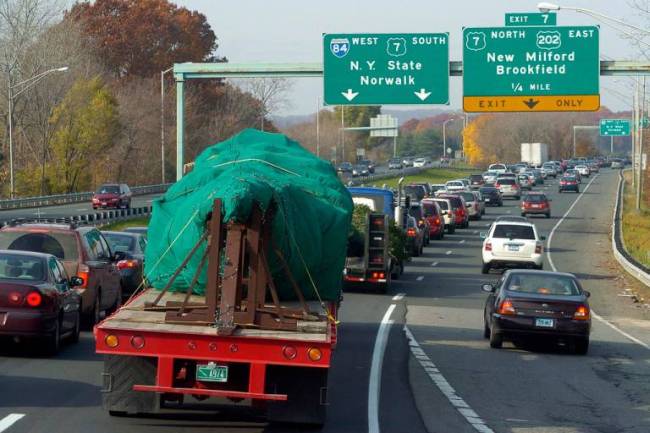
448 391
462 241
550 261
10 420
448 253
420 278
399 297
434 264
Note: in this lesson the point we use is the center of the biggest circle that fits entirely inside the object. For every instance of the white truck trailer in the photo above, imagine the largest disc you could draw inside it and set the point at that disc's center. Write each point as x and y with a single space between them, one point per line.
534 153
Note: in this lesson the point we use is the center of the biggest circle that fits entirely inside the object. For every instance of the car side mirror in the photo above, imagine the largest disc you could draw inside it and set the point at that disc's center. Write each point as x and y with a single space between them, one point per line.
444 212
487 288
587 293
76 281
468 205
483 235
543 238
119 255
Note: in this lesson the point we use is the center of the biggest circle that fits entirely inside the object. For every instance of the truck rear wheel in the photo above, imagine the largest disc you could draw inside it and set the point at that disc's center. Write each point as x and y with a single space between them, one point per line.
306 390
120 374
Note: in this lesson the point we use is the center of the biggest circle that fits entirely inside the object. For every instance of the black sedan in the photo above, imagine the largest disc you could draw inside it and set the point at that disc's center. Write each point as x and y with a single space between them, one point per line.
37 299
527 303
491 196
132 245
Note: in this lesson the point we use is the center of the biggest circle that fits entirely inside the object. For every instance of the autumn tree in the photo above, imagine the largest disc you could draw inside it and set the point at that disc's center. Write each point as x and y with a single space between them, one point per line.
143 37
85 126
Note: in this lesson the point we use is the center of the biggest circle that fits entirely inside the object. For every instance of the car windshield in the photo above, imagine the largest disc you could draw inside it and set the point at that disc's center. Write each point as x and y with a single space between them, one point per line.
60 245
119 242
455 183
21 267
558 285
513 231
108 189
536 198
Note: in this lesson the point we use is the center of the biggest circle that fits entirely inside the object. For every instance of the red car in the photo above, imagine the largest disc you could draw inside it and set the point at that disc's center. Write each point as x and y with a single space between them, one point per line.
459 207
112 196
37 300
536 203
433 214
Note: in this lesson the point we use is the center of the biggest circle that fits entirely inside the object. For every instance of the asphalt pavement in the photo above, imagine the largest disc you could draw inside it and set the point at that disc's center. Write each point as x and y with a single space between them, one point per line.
445 380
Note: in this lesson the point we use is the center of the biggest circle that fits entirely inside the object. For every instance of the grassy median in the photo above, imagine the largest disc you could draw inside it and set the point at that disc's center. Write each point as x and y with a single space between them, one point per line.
636 225
431 175
121 225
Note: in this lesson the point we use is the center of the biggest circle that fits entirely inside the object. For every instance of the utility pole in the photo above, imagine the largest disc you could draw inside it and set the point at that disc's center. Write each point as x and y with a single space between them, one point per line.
318 126
640 114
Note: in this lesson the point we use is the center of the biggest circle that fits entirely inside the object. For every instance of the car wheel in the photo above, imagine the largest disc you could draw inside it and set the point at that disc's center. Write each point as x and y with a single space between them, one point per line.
53 342
486 268
76 331
581 346
500 204
451 229
523 214
540 267
548 215
486 330
517 197
577 191
559 191
496 341
95 314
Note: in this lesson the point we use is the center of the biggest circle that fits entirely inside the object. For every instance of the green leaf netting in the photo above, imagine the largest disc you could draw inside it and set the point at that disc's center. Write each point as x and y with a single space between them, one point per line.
310 226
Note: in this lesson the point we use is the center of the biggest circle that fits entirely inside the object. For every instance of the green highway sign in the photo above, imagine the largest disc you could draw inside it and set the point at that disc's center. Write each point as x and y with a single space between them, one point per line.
531 69
614 127
531 19
381 68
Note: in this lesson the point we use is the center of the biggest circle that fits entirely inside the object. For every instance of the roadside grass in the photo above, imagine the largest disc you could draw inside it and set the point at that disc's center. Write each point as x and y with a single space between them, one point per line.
431 175
121 225
636 225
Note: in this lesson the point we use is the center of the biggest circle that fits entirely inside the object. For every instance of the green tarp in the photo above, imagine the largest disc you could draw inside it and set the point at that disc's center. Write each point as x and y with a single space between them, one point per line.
310 225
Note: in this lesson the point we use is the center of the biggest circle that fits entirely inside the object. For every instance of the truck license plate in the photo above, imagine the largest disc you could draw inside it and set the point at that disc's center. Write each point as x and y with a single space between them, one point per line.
544 323
212 372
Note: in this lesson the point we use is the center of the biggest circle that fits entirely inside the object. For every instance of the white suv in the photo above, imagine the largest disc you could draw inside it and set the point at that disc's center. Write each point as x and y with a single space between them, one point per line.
455 186
512 244
499 168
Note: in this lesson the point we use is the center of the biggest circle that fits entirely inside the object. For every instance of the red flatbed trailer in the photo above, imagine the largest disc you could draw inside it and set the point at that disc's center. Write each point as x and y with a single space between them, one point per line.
231 343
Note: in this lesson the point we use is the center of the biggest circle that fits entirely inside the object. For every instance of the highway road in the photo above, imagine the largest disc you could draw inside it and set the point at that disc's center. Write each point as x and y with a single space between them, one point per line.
446 379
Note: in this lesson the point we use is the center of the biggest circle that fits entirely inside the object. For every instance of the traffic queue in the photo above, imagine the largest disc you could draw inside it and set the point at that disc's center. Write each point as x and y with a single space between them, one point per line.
527 301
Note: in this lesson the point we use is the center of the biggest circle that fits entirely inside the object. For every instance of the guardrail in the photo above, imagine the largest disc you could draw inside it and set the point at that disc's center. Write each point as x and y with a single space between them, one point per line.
52 200
92 218
629 263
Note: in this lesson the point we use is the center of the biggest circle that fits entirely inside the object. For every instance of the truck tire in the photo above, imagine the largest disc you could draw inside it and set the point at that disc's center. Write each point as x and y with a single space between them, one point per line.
306 390
120 374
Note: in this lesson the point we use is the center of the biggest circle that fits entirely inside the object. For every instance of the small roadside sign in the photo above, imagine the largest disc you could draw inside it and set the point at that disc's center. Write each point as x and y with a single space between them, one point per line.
614 127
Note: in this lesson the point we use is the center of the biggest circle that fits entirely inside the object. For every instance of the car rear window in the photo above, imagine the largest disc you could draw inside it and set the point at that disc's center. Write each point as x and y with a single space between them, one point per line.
543 284
108 189
468 196
415 212
512 231
430 209
417 192
444 205
537 198
477 177
455 202
507 181
21 267
570 178
488 190
60 245
455 183
119 242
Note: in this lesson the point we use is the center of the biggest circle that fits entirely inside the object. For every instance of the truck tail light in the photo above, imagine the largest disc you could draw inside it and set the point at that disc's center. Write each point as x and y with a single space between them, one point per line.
582 313
314 354
378 275
289 352
506 308
112 341
34 299
137 342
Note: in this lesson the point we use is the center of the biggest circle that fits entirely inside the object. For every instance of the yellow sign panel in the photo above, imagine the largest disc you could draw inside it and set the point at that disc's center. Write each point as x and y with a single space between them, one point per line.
481 104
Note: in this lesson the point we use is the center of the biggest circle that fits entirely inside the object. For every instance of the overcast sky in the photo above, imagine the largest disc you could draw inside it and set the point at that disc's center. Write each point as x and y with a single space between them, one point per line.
251 31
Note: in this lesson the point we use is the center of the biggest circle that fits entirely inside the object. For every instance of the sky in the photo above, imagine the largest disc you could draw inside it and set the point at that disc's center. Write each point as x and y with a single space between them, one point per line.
281 31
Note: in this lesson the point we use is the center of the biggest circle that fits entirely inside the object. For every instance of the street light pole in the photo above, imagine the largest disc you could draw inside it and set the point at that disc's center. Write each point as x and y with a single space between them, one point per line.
162 123
27 84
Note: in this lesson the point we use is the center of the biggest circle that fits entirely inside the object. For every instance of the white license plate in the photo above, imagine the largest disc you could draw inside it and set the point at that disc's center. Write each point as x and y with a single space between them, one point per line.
513 247
544 323
103 204
487 199
535 205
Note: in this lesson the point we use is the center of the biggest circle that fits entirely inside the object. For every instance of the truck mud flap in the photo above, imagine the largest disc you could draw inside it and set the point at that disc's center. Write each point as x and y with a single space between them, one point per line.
119 376
306 389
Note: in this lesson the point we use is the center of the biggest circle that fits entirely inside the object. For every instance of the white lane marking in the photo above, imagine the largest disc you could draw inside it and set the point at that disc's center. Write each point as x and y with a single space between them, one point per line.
448 252
9 420
434 264
475 232
462 242
81 209
509 211
550 262
374 386
420 278
439 380
487 225
399 297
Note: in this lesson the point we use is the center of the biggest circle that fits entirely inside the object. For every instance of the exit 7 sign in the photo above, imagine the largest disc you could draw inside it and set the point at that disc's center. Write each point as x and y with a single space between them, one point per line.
381 68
